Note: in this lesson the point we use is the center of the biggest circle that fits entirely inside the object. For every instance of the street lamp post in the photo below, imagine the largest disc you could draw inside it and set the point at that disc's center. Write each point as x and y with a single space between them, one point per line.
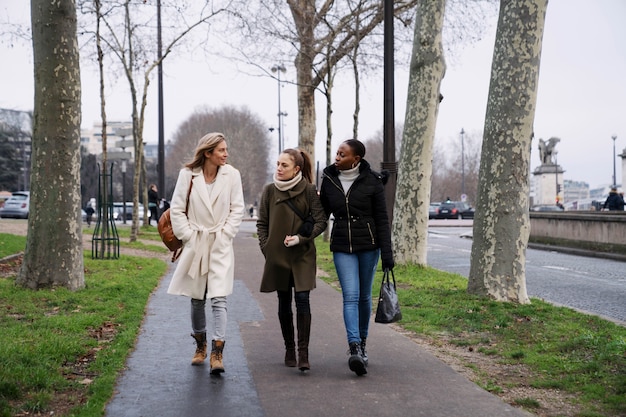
462 161
123 167
123 132
614 137
278 69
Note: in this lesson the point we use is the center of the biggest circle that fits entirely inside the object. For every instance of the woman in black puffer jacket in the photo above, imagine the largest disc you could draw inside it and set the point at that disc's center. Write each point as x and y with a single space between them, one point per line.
355 195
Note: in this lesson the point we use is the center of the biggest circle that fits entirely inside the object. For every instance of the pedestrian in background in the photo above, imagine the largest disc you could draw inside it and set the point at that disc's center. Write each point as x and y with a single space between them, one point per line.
290 258
355 195
614 201
205 268
153 203
89 211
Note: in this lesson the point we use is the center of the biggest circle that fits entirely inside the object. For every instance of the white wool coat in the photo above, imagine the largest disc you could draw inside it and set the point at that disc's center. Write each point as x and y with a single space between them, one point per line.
207 231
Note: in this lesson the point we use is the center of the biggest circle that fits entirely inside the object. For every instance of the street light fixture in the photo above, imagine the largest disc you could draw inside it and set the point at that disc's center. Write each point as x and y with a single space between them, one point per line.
278 69
462 161
614 137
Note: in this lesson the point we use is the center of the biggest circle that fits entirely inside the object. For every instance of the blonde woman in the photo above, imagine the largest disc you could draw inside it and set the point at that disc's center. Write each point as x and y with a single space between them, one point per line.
205 268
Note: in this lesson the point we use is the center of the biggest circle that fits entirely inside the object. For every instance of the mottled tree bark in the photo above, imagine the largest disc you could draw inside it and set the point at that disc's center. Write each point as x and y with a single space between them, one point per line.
410 221
501 224
54 250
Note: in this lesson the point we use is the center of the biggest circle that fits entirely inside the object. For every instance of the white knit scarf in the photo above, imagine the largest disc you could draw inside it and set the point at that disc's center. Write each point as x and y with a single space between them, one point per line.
287 185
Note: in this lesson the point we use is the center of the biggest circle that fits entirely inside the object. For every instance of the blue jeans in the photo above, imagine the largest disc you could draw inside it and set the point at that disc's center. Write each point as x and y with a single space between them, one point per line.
356 275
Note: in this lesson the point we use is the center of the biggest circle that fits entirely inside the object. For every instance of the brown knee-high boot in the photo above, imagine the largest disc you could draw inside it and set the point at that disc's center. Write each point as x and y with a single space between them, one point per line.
200 355
304 332
286 326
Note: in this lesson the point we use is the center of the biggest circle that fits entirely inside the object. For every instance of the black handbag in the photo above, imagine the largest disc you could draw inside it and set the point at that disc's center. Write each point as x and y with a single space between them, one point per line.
388 310
308 222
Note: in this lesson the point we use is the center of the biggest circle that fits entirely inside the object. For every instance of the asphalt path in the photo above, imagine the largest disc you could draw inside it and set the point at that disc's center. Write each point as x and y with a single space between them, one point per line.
403 379
587 283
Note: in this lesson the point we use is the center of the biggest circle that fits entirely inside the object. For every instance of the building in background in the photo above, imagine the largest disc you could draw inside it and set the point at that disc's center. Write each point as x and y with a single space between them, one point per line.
119 139
575 190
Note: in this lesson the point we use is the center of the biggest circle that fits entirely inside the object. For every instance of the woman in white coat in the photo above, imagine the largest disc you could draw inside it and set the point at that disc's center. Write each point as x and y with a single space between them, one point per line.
205 268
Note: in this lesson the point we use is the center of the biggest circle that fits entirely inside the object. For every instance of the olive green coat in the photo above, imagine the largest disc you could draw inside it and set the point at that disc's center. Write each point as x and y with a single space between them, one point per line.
277 220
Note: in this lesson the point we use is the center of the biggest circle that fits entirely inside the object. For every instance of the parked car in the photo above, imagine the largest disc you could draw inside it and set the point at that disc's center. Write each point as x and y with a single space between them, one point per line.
118 211
16 206
432 210
546 207
454 210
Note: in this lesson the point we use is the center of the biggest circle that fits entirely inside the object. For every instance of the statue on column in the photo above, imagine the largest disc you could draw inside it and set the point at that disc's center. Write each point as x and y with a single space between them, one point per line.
546 149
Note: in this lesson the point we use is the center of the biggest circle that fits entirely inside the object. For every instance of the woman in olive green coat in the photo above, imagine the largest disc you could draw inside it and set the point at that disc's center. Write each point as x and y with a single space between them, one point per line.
290 255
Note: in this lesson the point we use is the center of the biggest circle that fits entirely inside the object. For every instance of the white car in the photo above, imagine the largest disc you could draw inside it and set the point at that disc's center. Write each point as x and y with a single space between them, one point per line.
16 206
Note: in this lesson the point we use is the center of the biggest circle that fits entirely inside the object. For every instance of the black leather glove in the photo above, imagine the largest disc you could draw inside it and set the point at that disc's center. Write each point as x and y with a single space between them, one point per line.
388 263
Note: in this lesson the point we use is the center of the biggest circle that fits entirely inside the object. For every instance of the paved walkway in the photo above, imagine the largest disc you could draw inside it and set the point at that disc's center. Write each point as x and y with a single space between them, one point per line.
403 379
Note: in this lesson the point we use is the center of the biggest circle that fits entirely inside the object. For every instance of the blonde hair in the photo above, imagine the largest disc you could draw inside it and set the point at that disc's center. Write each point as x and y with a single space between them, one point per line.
207 142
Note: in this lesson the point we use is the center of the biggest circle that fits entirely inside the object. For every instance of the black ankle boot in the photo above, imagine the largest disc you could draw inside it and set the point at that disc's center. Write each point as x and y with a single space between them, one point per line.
355 362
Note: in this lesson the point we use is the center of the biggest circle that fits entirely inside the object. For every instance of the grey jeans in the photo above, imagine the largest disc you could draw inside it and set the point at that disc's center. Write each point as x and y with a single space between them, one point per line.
198 316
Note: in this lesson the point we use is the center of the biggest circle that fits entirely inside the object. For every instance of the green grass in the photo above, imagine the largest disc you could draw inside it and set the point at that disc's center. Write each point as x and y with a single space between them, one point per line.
11 244
60 348
566 350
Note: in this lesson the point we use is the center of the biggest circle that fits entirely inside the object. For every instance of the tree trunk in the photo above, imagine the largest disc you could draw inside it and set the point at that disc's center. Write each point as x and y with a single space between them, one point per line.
54 249
501 224
306 103
410 222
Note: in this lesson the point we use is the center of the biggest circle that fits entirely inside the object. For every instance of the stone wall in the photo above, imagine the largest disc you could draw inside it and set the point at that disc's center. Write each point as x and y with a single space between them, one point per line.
604 231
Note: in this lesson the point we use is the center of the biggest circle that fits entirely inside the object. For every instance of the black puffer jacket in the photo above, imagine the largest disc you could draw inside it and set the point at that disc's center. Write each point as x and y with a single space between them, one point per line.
361 221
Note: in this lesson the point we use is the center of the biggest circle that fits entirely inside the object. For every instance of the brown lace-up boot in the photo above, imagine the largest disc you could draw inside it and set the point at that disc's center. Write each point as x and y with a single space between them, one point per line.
286 326
200 355
216 361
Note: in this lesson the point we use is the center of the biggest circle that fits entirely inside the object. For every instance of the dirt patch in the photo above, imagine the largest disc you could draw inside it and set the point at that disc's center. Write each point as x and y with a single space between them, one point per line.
509 382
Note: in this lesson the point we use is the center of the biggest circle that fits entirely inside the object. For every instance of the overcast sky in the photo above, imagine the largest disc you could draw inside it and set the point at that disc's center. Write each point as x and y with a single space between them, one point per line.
581 100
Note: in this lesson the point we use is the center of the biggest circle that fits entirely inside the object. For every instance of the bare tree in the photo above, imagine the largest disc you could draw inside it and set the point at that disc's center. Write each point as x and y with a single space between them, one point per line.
451 169
54 250
501 224
410 222
315 36
247 139
15 143
128 39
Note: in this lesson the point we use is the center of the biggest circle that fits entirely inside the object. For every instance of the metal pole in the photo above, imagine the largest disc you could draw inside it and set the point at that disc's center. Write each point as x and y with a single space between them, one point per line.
614 157
161 143
124 190
462 162
389 135
278 69
280 120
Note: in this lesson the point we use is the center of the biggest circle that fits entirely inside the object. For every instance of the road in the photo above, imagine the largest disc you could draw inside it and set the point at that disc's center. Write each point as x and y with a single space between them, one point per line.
590 284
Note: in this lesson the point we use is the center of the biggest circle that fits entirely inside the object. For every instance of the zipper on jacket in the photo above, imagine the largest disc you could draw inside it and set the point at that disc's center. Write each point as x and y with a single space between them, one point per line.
349 218
369 227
